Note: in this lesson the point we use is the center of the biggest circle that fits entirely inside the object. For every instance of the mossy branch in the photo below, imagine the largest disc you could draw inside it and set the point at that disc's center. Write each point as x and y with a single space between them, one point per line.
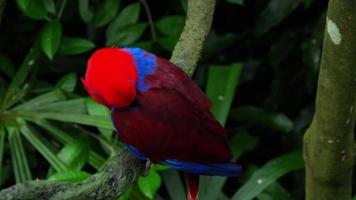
187 51
109 183
329 144
123 169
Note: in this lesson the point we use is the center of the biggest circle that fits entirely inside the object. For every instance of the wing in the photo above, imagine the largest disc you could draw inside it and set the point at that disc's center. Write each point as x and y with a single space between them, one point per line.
172 120
171 76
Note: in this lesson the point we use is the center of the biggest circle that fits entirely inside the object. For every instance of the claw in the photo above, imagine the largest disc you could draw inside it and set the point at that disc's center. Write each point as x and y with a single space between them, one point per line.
147 167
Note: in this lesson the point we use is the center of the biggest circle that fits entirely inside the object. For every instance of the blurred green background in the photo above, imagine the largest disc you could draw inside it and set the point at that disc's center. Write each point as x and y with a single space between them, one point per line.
259 67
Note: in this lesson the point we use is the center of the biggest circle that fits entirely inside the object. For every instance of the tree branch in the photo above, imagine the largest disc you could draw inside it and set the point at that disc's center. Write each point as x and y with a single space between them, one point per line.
187 51
109 183
123 169
329 145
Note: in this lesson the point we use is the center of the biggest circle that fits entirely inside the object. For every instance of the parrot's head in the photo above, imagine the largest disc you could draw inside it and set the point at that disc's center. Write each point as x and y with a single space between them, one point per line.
114 74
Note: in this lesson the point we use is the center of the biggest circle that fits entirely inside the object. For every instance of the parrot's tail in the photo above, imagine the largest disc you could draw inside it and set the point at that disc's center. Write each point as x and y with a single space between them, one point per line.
192 186
211 169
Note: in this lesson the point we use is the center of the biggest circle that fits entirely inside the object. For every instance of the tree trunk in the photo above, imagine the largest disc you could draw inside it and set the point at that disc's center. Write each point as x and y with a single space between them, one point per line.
329 145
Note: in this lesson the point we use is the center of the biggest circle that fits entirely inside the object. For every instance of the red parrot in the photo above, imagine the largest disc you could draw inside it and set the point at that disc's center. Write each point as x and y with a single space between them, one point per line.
159 113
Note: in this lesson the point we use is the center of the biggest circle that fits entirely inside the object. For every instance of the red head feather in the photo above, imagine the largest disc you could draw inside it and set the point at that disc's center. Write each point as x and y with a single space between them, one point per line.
111 77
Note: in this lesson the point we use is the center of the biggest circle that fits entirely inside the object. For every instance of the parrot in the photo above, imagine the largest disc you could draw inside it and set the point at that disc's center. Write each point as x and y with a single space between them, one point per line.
159 113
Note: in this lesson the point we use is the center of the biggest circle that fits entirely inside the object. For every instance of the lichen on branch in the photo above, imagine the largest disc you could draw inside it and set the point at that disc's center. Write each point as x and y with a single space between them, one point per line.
329 144
110 182
187 51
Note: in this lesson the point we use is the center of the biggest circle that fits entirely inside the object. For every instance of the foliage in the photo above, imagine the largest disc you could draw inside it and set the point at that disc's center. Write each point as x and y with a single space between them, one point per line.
258 66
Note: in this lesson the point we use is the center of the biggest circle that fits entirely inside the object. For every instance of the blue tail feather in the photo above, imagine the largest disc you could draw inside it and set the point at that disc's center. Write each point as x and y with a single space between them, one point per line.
211 169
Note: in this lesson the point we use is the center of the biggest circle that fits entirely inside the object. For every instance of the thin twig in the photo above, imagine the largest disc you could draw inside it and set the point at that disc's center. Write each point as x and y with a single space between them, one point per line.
61 8
150 20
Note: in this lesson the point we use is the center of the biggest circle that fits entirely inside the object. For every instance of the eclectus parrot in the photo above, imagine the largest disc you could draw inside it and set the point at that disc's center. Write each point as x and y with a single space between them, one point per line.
159 113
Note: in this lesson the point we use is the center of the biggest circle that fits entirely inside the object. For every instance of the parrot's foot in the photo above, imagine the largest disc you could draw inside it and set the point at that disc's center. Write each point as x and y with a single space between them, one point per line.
147 167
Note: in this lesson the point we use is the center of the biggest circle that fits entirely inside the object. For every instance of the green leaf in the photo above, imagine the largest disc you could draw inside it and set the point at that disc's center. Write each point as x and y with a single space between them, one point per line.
18 155
16 85
71 46
274 13
242 142
278 121
2 147
69 176
311 48
67 82
51 38
168 42
34 9
23 4
84 11
171 25
354 198
150 184
6 174
173 184
221 41
307 3
275 192
268 174
74 106
211 187
128 16
221 86
38 142
54 131
50 6
41 100
127 35
160 167
95 159
146 45
184 4
96 109
126 194
75 153
106 11
239 2
7 66
98 121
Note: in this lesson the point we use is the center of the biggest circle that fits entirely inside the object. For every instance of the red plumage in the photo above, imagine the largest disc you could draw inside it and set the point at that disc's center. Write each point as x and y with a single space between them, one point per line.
159 113
106 82
172 120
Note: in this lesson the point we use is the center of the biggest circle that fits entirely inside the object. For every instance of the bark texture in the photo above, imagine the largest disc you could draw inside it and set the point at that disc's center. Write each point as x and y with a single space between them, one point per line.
329 144
187 51
109 183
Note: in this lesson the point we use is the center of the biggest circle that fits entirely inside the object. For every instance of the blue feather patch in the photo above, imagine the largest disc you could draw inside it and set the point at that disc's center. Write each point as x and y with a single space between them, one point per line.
136 152
145 65
211 169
